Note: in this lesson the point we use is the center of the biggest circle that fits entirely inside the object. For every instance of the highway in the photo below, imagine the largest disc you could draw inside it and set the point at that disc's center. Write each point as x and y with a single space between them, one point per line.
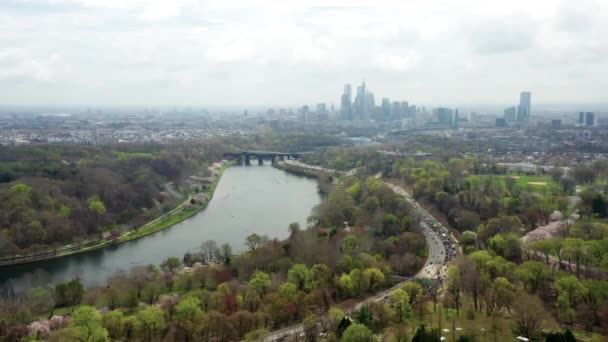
442 249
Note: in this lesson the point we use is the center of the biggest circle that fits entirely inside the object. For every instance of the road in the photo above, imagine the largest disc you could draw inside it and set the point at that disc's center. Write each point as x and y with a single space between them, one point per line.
442 249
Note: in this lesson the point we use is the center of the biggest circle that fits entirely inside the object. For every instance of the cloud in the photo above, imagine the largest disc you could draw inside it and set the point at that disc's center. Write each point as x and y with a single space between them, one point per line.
213 52
504 34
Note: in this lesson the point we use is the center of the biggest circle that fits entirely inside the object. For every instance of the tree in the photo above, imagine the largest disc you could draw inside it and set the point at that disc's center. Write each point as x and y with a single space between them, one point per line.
69 293
310 324
86 322
188 315
532 274
529 314
357 333
423 335
171 263
374 277
96 205
401 305
569 291
413 290
253 241
40 300
454 286
226 250
556 173
335 315
260 282
288 291
150 321
112 321
301 276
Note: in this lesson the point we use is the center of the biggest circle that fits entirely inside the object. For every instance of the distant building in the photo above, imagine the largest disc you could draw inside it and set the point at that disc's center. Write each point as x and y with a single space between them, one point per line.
405 109
386 108
322 113
590 119
523 110
581 118
500 122
509 114
556 123
445 116
346 110
396 111
364 103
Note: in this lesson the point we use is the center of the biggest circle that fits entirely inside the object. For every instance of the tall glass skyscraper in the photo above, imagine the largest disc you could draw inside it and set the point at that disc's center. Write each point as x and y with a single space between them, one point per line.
523 110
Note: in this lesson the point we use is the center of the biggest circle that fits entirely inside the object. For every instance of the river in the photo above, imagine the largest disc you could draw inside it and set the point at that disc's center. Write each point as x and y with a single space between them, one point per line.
248 199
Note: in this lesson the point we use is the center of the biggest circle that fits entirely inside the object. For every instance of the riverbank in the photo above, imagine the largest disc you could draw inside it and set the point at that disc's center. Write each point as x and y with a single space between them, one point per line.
181 212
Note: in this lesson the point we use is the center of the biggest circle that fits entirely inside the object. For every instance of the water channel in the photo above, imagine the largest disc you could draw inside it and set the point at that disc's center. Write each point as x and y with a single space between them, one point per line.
249 199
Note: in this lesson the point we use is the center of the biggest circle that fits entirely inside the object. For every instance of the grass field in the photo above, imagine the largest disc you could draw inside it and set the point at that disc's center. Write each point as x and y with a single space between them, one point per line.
540 184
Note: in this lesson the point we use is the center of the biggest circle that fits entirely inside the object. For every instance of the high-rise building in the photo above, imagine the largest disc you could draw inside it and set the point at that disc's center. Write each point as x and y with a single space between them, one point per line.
360 102
445 116
581 118
523 110
346 109
405 109
369 106
509 114
500 122
590 119
386 108
396 111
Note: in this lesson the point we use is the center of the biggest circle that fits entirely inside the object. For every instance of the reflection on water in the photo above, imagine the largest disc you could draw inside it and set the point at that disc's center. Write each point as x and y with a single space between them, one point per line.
248 199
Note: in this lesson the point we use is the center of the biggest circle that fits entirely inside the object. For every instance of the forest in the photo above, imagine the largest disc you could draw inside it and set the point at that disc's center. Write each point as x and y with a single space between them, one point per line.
57 195
276 283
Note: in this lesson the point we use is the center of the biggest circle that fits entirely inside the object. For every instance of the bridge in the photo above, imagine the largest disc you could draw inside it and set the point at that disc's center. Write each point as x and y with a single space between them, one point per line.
246 156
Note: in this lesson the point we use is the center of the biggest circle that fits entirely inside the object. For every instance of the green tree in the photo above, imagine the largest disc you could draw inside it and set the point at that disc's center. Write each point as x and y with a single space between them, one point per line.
288 291
310 324
40 300
188 315
532 274
112 321
253 241
301 276
86 323
259 282
401 305
569 291
357 333
150 322
96 205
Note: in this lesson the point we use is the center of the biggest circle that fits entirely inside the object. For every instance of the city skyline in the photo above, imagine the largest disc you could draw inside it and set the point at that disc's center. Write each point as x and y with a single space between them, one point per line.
187 52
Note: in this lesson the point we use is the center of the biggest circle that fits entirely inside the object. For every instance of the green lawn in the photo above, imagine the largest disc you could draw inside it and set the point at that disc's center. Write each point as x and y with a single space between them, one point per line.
540 184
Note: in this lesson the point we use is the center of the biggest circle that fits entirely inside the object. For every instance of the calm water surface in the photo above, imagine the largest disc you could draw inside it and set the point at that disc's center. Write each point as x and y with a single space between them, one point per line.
249 199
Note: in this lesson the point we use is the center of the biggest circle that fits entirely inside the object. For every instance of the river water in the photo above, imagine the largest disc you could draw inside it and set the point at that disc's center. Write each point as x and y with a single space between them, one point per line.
248 199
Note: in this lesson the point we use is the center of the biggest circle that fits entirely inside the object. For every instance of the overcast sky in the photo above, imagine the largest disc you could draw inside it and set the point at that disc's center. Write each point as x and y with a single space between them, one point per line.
246 52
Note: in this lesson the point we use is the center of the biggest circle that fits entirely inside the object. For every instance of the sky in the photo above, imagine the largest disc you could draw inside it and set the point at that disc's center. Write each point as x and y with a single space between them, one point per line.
290 53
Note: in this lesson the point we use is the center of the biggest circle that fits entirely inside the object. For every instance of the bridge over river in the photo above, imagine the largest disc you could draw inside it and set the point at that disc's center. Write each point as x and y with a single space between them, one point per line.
246 156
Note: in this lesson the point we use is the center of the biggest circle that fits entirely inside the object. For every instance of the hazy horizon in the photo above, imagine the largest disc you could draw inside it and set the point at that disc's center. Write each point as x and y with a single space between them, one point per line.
214 54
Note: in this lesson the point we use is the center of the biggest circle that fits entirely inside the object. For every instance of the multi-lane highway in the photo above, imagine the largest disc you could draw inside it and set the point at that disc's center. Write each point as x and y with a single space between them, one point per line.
442 248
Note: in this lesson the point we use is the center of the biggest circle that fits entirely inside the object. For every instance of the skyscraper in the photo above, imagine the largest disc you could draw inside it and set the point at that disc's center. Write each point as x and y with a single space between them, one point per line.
346 109
590 119
396 111
509 114
581 118
445 116
405 109
386 108
523 110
